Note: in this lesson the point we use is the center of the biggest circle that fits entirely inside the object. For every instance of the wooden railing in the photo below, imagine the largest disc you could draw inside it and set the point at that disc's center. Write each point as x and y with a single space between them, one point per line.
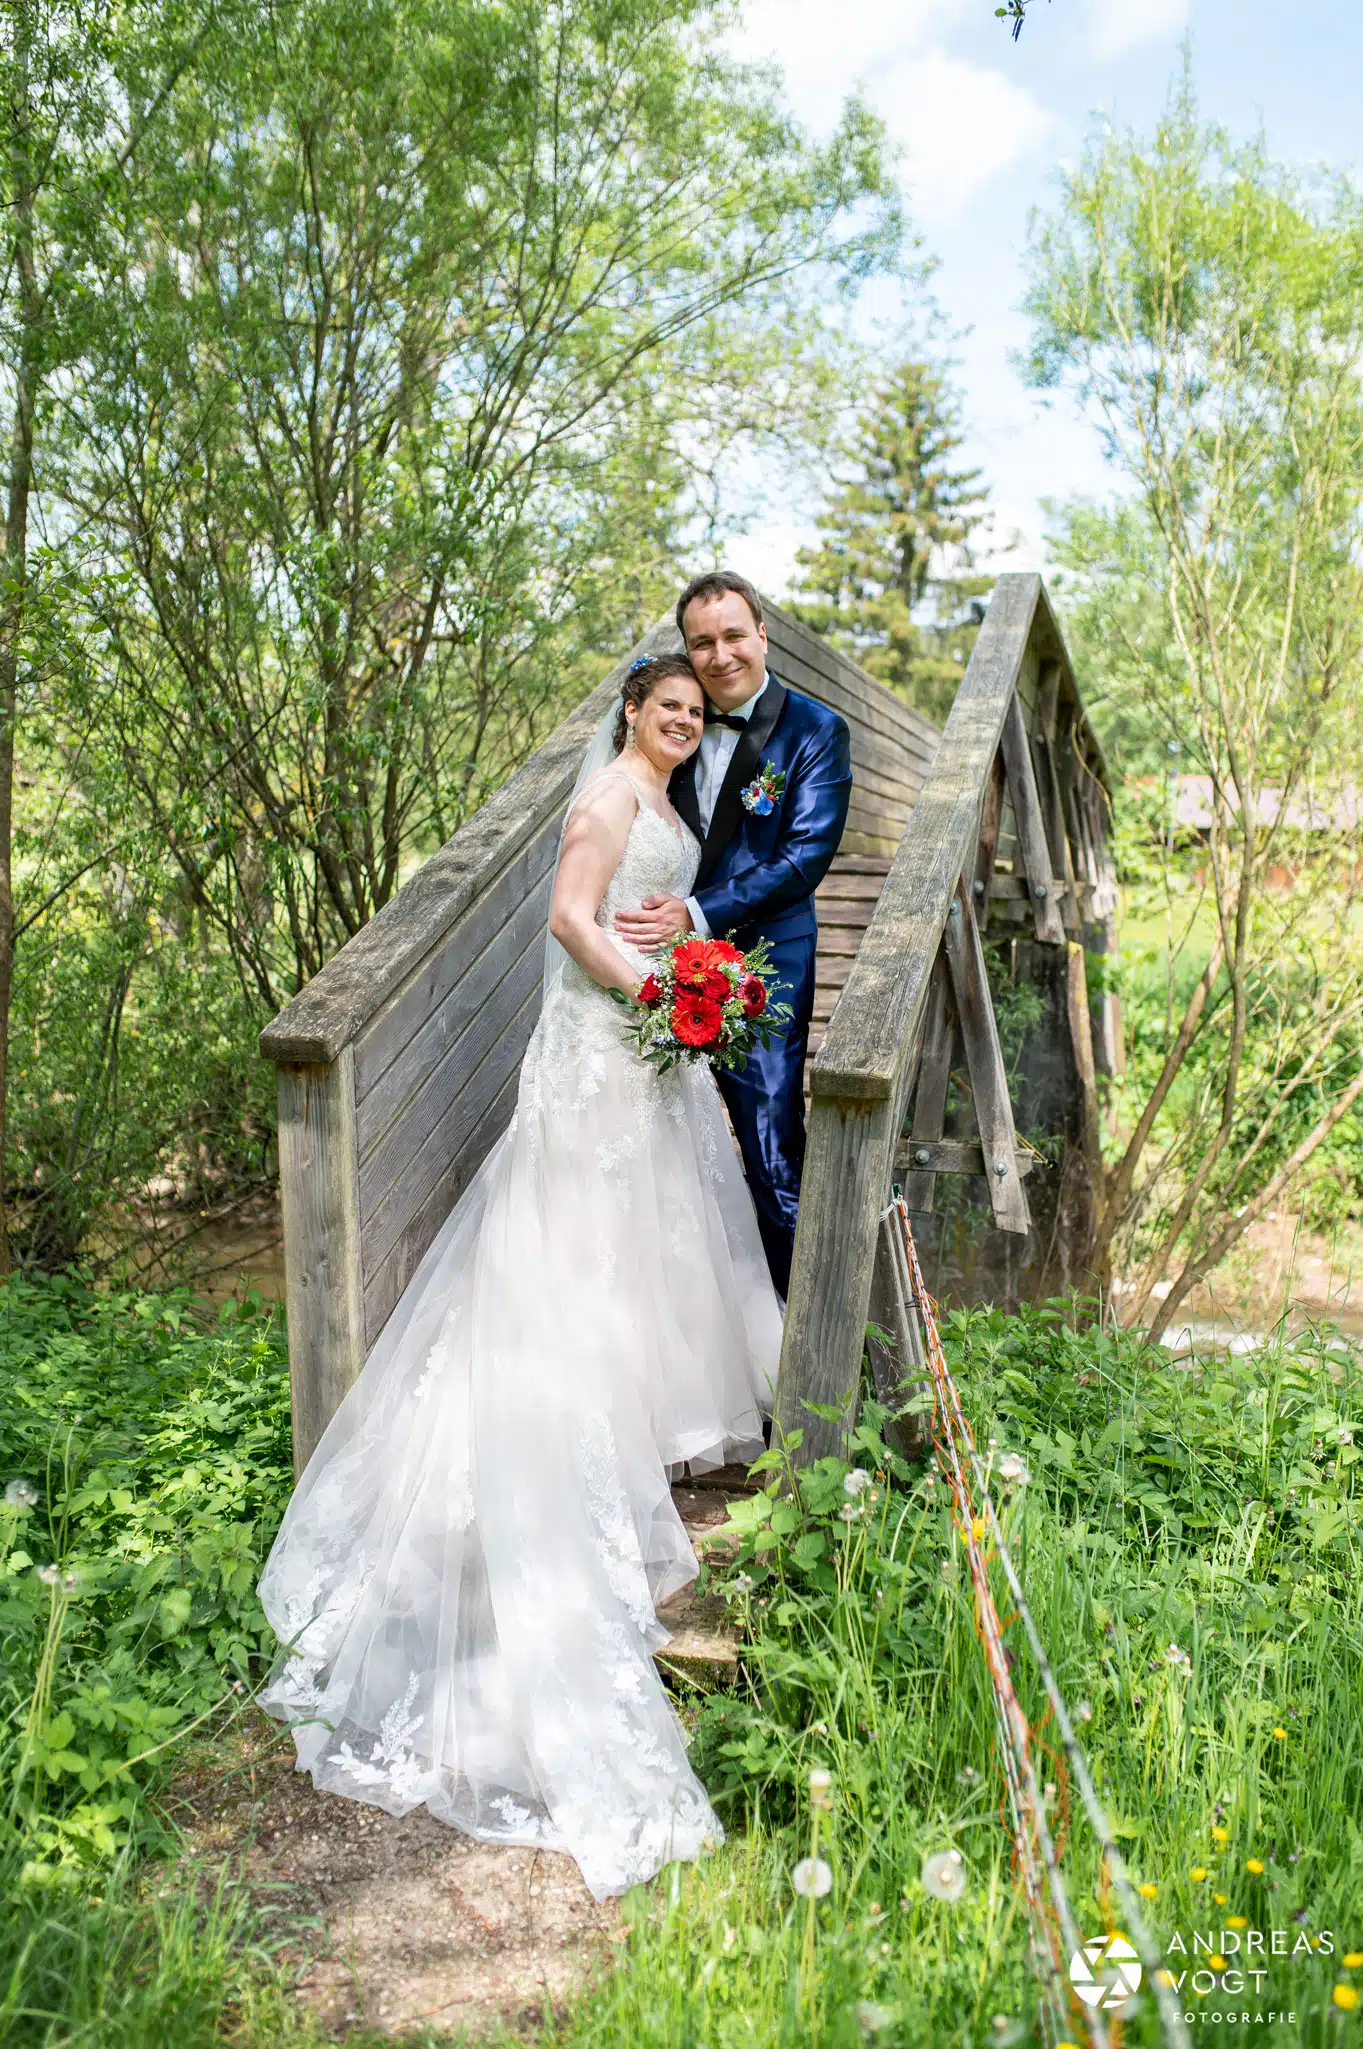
398 1064
1011 819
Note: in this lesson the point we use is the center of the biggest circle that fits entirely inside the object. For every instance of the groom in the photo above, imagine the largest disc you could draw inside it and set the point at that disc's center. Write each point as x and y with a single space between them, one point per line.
766 793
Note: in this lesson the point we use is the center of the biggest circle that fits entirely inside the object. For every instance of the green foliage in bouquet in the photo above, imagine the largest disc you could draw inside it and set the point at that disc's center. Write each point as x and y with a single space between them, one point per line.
705 1000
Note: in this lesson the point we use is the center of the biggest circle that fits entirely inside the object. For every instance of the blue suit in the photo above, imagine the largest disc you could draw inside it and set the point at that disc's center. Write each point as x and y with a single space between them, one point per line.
756 880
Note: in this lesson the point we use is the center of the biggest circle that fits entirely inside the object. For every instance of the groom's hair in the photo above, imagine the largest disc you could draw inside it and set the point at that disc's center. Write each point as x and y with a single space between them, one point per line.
717 583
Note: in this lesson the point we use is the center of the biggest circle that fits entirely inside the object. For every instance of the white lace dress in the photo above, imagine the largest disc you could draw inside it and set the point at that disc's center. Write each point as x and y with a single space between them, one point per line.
468 1569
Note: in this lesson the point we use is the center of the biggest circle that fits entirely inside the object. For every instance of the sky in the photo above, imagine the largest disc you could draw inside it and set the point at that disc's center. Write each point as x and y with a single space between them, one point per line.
984 124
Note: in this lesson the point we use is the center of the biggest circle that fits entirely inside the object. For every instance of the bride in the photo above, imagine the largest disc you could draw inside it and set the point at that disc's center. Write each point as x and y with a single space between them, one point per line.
467 1575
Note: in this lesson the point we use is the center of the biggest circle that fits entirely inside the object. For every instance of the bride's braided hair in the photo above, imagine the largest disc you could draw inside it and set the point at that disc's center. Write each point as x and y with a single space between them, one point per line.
642 680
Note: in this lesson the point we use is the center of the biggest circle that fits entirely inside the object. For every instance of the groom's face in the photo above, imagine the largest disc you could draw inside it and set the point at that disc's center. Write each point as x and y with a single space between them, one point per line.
728 648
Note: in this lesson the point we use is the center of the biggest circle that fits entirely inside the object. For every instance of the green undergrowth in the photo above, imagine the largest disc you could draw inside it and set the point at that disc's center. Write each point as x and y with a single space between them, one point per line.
1189 1545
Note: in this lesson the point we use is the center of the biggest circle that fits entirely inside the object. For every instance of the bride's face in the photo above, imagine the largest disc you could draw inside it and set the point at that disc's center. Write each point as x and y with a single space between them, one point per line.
669 722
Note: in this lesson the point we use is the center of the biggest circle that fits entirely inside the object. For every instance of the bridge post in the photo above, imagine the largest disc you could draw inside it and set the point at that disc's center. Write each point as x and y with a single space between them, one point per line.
989 782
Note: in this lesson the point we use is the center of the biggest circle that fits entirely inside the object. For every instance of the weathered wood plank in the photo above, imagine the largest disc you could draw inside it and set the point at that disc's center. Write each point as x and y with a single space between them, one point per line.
846 1180
383 1291
397 1029
863 1054
483 1025
413 1188
793 641
988 1079
431 1050
319 1187
934 1079
950 1156
1081 1038
339 1002
893 725
1031 827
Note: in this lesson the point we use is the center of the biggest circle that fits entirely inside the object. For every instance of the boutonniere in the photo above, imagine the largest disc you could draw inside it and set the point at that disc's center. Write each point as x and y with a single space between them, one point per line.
765 791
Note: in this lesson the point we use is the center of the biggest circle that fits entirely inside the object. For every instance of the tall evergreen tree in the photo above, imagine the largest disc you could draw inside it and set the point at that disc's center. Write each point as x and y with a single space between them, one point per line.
891 581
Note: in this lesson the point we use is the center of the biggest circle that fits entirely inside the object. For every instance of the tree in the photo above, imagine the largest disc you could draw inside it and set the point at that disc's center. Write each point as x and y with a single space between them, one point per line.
1205 307
896 544
70 133
402 355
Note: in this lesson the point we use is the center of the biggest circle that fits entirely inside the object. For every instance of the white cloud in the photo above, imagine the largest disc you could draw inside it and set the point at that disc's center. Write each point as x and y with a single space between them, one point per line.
961 125
1116 27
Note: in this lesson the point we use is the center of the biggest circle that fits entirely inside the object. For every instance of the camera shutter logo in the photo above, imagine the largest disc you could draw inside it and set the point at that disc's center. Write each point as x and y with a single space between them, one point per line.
1106 1972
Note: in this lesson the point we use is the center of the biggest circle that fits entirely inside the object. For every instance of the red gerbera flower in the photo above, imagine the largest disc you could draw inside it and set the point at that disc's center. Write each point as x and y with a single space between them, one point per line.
650 989
752 994
696 1019
696 960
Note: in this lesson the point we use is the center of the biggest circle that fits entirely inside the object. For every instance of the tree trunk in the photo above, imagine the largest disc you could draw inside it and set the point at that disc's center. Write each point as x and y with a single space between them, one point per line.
19 486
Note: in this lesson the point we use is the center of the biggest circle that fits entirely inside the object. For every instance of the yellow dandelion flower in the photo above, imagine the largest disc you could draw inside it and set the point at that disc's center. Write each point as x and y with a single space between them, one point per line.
1237 1920
1197 1874
1165 1977
1220 1835
1345 1998
1354 1960
1148 1892
1281 1735
977 1528
1220 1898
1254 1864
1216 1963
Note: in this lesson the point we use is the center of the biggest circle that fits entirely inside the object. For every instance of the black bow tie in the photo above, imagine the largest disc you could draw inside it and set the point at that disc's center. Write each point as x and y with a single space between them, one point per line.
726 718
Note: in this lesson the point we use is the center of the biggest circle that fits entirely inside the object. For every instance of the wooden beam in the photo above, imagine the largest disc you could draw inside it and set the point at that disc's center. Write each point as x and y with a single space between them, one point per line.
988 1081
866 1051
927 1157
1031 826
934 1078
320 1201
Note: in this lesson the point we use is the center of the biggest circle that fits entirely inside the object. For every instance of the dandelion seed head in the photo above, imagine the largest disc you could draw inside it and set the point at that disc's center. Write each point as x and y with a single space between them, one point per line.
857 1481
20 1494
944 1875
49 1574
812 1878
1011 1467
873 2018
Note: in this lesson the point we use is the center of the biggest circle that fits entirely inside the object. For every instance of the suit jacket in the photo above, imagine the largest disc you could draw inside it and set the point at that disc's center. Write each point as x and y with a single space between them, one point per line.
757 876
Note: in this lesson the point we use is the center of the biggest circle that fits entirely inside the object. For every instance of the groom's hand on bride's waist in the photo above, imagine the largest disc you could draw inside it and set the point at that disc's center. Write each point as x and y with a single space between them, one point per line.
657 919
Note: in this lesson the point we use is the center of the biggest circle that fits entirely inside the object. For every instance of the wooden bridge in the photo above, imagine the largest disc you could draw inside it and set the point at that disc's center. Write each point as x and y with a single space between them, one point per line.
398 1063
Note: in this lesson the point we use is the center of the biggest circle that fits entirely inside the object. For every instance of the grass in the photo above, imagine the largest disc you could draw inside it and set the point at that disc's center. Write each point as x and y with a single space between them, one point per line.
1189 1544
1214 1511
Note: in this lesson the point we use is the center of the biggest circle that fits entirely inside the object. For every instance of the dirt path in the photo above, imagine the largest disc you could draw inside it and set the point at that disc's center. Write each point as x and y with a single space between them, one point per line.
399 1924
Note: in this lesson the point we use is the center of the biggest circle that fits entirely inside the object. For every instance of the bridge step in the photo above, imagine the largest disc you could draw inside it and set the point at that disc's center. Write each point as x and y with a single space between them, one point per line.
704 1648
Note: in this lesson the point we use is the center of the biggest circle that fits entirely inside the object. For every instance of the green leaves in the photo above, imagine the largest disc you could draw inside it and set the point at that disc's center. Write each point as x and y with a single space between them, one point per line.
167 1450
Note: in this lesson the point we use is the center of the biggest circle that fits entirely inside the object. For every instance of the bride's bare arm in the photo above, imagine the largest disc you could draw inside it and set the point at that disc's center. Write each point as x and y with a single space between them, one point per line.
593 844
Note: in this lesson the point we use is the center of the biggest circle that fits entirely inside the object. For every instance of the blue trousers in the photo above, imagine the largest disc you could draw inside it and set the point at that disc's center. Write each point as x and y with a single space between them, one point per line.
766 1106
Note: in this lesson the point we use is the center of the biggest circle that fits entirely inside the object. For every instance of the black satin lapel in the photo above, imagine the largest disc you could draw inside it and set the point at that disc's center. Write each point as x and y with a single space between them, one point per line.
682 791
743 764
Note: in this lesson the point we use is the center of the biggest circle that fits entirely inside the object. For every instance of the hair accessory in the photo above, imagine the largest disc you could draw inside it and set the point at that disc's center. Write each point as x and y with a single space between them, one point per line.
642 663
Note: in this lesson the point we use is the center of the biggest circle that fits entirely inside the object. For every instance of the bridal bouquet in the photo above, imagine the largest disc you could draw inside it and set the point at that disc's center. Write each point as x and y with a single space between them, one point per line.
704 1001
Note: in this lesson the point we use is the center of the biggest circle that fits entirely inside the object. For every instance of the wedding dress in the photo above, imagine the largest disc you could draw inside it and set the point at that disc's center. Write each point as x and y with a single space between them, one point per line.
468 1570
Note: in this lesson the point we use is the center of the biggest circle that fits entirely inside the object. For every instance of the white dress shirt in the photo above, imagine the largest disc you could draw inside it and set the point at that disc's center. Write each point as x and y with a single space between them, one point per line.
717 744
